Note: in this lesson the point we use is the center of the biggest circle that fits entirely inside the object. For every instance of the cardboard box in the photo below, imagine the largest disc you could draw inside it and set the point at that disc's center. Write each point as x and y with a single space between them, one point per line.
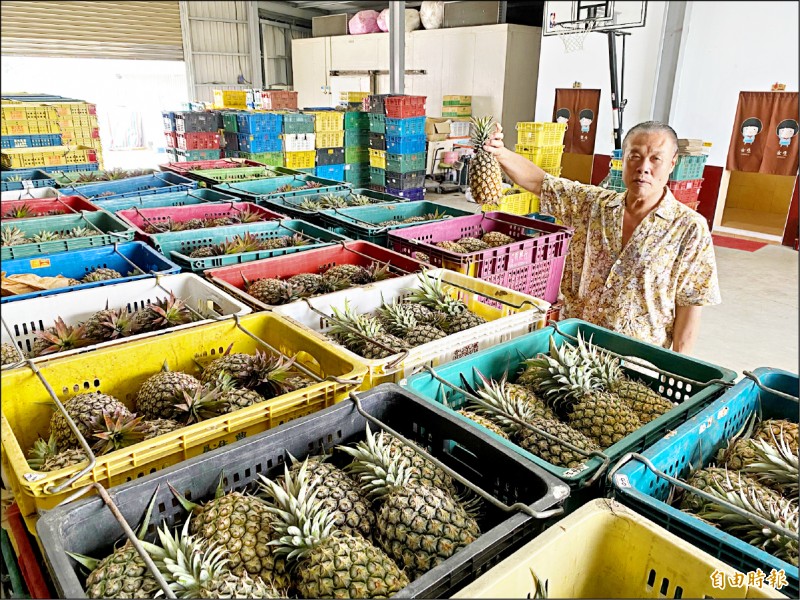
456 111
330 25
437 129
468 14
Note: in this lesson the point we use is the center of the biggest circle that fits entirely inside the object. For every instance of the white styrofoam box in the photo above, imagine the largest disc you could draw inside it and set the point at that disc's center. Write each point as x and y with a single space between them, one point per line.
40 192
298 142
520 314
25 318
459 129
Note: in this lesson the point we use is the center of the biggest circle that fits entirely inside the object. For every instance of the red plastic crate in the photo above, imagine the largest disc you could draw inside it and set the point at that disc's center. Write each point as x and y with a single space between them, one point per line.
171 139
534 264
402 107
279 99
139 218
29 557
198 141
183 167
686 191
359 253
45 207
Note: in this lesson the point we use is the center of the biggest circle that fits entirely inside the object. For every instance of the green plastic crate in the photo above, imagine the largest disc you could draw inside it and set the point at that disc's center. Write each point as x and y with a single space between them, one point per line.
377 176
377 123
403 163
356 154
356 138
214 176
357 174
111 229
229 122
298 123
356 120
291 206
270 159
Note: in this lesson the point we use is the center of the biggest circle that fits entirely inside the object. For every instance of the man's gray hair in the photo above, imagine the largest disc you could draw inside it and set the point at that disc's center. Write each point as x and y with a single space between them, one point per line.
652 127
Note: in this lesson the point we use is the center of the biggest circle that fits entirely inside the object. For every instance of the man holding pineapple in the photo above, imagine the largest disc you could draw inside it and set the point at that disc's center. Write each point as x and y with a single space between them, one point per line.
640 262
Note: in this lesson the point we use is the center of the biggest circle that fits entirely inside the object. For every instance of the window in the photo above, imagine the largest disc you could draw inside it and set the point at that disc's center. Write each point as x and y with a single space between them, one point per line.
277 49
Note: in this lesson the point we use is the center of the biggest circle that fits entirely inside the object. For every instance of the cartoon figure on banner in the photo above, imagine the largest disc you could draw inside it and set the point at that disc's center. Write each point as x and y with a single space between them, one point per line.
750 129
585 118
563 115
786 130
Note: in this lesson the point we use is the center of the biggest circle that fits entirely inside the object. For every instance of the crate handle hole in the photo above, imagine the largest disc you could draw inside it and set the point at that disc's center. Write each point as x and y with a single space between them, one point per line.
651 579
678 592
664 586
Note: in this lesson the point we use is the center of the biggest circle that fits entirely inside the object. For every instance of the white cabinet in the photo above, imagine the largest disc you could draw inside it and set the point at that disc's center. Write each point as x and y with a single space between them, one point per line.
311 60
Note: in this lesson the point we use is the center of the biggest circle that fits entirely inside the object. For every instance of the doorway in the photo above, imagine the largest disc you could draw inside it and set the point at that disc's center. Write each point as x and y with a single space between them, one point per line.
758 203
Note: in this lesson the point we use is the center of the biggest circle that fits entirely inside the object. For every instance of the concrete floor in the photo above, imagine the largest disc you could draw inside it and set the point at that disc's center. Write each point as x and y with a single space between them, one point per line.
757 323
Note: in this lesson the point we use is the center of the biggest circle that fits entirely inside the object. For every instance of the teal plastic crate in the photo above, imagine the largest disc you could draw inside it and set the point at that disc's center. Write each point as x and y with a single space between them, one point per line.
290 205
260 189
404 163
298 123
363 222
585 479
377 176
377 123
695 444
356 154
356 137
177 245
357 174
689 167
160 200
110 229
356 120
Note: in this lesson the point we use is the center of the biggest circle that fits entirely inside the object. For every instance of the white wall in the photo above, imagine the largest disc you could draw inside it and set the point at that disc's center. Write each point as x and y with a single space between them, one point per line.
731 47
558 69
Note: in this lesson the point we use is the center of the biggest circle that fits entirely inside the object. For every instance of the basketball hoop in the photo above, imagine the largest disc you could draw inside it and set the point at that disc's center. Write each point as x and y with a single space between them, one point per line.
574 33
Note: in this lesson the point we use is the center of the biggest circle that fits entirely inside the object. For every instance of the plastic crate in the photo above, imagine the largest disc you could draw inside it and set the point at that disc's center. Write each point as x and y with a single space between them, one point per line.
259 143
349 97
270 159
192 122
411 194
356 173
356 137
403 107
298 142
616 164
126 367
404 163
508 357
171 139
91 166
178 245
335 172
300 160
687 191
298 123
278 99
12 583
377 158
231 141
689 167
473 456
548 158
157 183
224 163
291 205
329 156
377 176
410 144
31 562
541 134
377 122
20 180
78 263
215 176
459 129
519 315
363 222
406 181
230 99
355 120
361 253
258 190
327 120
139 219
271 123
604 537
198 141
374 103
329 139
30 194
377 141
614 183
33 127
517 203
47 207
356 154
197 155
189 197
111 230
533 264
229 122
25 158
30 141
694 444
27 111
407 126
616 154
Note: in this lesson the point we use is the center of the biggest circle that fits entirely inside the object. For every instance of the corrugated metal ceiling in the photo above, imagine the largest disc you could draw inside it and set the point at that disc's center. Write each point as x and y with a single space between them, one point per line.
348 6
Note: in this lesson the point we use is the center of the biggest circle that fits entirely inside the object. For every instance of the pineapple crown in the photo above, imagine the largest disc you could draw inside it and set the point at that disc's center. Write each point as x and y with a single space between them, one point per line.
247 216
42 450
116 430
562 373
348 325
498 404
203 402
19 212
399 317
169 312
63 337
268 372
433 295
118 323
481 130
604 366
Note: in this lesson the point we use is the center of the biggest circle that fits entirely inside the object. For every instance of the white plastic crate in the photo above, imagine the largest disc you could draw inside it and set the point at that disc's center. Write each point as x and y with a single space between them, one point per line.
459 129
299 142
41 192
25 318
525 314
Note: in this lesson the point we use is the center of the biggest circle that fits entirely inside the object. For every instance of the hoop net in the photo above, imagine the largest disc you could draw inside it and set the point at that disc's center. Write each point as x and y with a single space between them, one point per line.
574 35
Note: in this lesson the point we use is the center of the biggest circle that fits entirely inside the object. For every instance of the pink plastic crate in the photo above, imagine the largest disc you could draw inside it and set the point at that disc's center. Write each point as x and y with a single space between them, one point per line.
139 218
534 264
46 207
183 167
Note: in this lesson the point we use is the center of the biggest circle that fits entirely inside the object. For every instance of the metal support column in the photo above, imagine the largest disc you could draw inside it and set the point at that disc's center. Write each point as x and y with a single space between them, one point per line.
397 47
617 83
188 57
254 35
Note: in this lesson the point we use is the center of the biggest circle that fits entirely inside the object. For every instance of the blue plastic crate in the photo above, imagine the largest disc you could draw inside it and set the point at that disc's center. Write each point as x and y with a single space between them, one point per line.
259 142
542 217
33 177
696 442
334 172
157 183
257 190
30 141
409 126
183 198
79 263
412 194
405 144
93 166
617 154
259 123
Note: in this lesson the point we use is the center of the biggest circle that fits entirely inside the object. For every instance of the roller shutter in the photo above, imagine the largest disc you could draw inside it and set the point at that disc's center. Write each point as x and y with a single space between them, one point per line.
130 30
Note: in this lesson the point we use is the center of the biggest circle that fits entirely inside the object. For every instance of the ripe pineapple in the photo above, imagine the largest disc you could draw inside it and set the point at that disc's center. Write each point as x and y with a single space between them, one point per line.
116 430
309 282
418 525
770 463
10 355
204 252
232 397
483 421
101 274
328 563
12 236
471 244
451 247
63 459
265 373
495 238
110 324
273 291
433 294
157 427
778 429
355 274
160 314
363 334
485 175
59 338
160 393
400 321
82 409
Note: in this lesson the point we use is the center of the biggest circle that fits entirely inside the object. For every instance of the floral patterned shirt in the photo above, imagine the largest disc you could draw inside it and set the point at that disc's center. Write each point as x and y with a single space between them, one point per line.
668 261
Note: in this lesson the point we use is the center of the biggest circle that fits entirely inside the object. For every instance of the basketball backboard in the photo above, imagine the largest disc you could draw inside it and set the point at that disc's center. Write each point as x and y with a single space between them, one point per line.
608 16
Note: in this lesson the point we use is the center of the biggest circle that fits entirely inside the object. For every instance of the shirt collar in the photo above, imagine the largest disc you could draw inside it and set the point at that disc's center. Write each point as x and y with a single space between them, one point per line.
666 208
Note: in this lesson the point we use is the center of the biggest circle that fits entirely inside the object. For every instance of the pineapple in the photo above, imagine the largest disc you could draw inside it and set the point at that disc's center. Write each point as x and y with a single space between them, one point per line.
160 393
328 563
484 422
110 324
309 206
352 273
485 175
20 211
12 236
246 216
116 430
45 236
265 373
309 282
218 222
157 427
42 450
433 295
59 338
358 200
495 238
471 244
193 224
101 274
161 314
10 356
78 232
389 223
399 320
418 525
82 409
778 429
771 463
451 247
232 397
363 334
63 459
199 404
273 291
204 252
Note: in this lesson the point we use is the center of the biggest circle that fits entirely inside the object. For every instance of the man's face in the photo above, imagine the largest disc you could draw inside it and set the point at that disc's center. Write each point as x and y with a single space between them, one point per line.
749 131
648 160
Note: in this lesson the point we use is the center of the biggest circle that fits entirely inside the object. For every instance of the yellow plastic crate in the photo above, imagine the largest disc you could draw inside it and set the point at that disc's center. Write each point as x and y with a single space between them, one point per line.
327 120
77 121
377 158
27 111
518 203
121 370
616 164
541 134
352 96
329 139
31 127
605 550
546 157
66 109
22 158
230 99
300 160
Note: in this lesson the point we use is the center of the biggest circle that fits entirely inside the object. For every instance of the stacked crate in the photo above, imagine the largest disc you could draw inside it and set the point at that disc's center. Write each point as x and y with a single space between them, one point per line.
542 144
298 132
193 135
397 145
329 142
614 179
258 136
356 148
456 106
686 178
